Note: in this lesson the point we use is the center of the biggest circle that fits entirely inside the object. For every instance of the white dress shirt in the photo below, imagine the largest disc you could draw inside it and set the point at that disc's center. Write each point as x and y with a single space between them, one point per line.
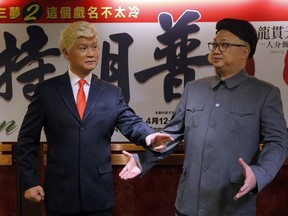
75 86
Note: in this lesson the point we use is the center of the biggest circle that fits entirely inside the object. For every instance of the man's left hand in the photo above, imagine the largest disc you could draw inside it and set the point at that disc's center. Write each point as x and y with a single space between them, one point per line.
250 180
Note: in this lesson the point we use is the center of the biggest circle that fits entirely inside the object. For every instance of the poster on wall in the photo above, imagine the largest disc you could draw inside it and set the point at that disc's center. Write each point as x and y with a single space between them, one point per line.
150 49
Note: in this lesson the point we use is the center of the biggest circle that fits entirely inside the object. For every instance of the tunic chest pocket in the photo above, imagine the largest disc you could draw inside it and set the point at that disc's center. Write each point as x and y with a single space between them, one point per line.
193 114
243 119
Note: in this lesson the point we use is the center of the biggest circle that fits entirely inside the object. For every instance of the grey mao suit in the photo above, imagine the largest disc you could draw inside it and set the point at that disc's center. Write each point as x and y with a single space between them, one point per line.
221 121
79 172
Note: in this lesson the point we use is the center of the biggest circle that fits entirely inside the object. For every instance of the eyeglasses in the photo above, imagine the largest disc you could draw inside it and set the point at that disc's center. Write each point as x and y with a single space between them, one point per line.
222 46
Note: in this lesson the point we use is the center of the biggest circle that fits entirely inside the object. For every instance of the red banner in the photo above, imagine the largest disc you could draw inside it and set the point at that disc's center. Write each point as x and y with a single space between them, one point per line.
123 11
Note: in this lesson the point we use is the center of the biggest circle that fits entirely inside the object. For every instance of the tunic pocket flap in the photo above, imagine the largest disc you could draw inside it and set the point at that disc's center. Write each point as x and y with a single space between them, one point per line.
242 111
195 107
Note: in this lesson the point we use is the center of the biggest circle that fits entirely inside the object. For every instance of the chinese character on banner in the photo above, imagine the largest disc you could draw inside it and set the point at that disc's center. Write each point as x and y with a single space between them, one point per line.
178 46
13 59
117 64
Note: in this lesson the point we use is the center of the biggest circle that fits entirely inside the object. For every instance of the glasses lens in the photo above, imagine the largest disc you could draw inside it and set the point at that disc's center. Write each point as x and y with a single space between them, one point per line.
211 46
223 46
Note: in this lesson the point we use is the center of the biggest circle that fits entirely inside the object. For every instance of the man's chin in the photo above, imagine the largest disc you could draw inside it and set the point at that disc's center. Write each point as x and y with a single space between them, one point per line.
90 67
217 65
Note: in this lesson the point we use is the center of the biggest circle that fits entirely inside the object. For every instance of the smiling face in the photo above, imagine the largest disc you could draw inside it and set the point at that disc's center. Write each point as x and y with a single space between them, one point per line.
234 58
83 56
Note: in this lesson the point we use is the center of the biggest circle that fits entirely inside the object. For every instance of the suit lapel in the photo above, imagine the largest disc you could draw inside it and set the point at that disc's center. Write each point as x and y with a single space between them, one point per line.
95 91
66 92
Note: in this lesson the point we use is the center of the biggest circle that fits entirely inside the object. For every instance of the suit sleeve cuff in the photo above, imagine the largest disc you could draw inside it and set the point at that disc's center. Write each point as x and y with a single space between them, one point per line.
136 157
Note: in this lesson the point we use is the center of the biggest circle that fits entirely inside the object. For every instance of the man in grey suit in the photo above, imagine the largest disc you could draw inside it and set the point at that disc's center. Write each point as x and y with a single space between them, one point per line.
222 120
78 177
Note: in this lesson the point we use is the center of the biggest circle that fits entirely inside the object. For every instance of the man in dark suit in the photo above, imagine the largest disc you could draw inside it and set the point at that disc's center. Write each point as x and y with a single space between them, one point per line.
78 178
222 119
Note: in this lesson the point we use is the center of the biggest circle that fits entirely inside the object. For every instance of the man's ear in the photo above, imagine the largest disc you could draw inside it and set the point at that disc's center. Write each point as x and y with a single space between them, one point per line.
246 52
65 53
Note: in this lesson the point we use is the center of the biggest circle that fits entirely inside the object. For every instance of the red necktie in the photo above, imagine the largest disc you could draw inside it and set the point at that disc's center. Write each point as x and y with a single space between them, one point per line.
81 99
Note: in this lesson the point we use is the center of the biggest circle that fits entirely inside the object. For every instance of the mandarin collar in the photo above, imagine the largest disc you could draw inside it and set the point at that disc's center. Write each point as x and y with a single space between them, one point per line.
232 81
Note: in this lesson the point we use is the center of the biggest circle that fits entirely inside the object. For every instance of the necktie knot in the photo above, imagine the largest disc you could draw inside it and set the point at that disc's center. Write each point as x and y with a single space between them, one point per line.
81 98
81 83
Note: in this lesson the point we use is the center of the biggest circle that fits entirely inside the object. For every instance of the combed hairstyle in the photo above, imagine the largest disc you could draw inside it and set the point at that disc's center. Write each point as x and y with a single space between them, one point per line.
242 29
74 31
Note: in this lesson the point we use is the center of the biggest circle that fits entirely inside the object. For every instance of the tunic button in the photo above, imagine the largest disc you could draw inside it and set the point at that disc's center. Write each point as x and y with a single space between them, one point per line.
205 168
208 146
217 104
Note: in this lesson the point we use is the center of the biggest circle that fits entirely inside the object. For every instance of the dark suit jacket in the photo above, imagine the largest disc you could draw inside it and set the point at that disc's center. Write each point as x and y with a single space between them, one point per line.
79 171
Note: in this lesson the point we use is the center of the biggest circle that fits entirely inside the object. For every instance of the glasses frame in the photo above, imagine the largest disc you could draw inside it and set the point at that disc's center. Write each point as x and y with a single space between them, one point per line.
222 46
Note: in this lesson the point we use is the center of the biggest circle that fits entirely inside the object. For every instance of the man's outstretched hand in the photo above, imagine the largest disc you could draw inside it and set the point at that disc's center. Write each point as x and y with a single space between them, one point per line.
158 141
131 170
250 180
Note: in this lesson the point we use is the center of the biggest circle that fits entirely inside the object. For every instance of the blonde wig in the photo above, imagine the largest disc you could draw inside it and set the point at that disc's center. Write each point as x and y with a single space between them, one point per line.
74 31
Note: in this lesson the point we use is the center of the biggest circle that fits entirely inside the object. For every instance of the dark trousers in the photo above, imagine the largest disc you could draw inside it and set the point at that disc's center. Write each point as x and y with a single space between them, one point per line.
106 212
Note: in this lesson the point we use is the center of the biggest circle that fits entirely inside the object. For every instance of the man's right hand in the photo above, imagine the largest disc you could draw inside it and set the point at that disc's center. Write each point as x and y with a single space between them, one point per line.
158 141
34 194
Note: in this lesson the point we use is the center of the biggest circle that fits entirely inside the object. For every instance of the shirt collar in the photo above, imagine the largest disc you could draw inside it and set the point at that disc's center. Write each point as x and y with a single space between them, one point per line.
74 78
232 81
